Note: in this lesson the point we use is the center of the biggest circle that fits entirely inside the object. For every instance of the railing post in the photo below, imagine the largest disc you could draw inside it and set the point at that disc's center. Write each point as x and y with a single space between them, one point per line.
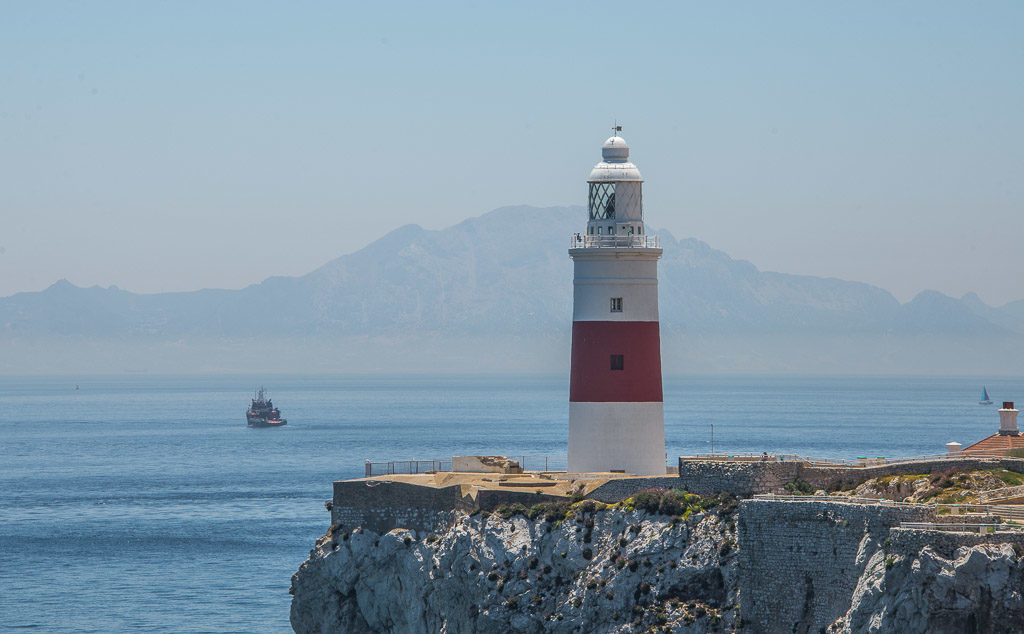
369 469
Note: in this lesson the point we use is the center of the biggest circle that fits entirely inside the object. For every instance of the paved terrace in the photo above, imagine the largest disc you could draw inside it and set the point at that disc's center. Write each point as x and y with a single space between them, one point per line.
547 483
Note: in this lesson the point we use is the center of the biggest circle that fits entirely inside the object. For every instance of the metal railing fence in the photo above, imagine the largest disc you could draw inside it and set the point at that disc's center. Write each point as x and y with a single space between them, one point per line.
1005 493
983 529
1003 511
752 456
414 466
583 241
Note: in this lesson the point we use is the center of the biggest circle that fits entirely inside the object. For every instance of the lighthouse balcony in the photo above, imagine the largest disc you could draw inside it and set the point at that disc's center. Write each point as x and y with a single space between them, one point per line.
582 241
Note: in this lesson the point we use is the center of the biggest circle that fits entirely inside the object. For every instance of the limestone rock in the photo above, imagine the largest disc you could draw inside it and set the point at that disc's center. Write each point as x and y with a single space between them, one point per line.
606 570
977 590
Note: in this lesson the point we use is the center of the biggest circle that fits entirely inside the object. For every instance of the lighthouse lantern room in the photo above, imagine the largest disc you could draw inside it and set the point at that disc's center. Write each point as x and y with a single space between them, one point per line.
616 416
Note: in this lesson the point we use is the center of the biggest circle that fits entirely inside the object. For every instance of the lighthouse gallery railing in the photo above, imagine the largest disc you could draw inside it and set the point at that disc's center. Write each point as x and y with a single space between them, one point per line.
582 241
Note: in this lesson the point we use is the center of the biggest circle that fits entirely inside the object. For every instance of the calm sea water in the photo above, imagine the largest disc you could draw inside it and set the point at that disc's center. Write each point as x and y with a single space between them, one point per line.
143 502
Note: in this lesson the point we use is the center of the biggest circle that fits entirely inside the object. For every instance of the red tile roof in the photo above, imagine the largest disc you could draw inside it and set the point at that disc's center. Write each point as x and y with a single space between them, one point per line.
995 443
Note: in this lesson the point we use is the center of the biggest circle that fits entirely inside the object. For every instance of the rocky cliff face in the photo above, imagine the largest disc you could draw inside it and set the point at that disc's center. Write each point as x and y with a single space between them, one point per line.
800 566
594 570
976 590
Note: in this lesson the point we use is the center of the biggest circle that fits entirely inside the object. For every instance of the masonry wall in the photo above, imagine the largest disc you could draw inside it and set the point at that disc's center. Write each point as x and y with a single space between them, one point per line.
799 561
381 506
748 478
489 499
616 490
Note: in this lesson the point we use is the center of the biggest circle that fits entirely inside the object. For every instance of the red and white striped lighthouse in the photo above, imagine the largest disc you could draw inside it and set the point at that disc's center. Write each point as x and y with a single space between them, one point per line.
616 416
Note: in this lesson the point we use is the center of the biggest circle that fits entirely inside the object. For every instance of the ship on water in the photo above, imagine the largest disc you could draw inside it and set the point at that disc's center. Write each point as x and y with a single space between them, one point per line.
262 413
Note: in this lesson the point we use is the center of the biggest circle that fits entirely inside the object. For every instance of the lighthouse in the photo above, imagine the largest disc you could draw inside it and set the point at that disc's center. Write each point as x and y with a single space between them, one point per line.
616 414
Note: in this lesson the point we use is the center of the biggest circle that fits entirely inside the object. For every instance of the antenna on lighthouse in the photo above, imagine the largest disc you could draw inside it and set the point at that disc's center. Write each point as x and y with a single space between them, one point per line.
616 128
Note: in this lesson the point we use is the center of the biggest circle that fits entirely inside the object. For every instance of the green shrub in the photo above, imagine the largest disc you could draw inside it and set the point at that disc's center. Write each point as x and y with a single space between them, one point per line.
799 487
588 554
509 511
726 548
512 603
533 562
492 577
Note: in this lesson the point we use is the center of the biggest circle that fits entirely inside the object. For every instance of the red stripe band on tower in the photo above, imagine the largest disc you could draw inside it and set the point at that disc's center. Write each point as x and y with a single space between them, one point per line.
591 378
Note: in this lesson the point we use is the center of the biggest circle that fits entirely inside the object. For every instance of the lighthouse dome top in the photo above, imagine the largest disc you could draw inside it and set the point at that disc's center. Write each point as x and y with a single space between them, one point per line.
615 149
615 165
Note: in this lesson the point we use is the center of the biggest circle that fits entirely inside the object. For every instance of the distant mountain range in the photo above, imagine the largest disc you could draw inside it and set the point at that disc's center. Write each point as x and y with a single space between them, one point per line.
503 274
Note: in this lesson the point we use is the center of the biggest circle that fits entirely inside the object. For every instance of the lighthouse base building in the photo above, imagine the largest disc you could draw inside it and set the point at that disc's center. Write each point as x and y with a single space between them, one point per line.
616 413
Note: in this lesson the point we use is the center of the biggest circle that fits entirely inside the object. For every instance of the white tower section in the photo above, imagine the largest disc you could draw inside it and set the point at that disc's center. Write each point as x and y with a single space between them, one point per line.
616 415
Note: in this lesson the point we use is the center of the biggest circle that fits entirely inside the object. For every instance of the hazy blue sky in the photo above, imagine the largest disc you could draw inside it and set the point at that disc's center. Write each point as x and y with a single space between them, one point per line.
172 146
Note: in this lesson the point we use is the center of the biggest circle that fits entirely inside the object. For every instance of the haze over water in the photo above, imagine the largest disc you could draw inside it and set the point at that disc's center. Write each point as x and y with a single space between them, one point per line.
145 501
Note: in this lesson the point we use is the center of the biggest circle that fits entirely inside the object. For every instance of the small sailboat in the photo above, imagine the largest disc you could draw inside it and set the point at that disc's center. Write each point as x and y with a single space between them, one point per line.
985 400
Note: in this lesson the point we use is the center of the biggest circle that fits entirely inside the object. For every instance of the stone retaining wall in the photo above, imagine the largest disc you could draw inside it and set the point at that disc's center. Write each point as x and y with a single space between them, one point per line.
799 562
616 490
488 499
745 479
910 541
381 505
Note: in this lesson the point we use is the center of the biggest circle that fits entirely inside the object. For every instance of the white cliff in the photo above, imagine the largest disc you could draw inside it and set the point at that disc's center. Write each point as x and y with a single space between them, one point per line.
686 564
595 570
976 590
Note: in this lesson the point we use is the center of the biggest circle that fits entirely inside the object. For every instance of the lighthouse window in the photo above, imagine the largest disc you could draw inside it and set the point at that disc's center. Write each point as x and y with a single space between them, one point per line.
616 304
611 230
602 201
617 362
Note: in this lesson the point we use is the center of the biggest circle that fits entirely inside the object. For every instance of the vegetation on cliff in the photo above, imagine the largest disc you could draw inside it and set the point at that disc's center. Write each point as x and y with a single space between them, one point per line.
942 487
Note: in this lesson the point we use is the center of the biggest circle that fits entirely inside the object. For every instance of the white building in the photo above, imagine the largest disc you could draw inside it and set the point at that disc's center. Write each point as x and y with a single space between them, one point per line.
616 416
